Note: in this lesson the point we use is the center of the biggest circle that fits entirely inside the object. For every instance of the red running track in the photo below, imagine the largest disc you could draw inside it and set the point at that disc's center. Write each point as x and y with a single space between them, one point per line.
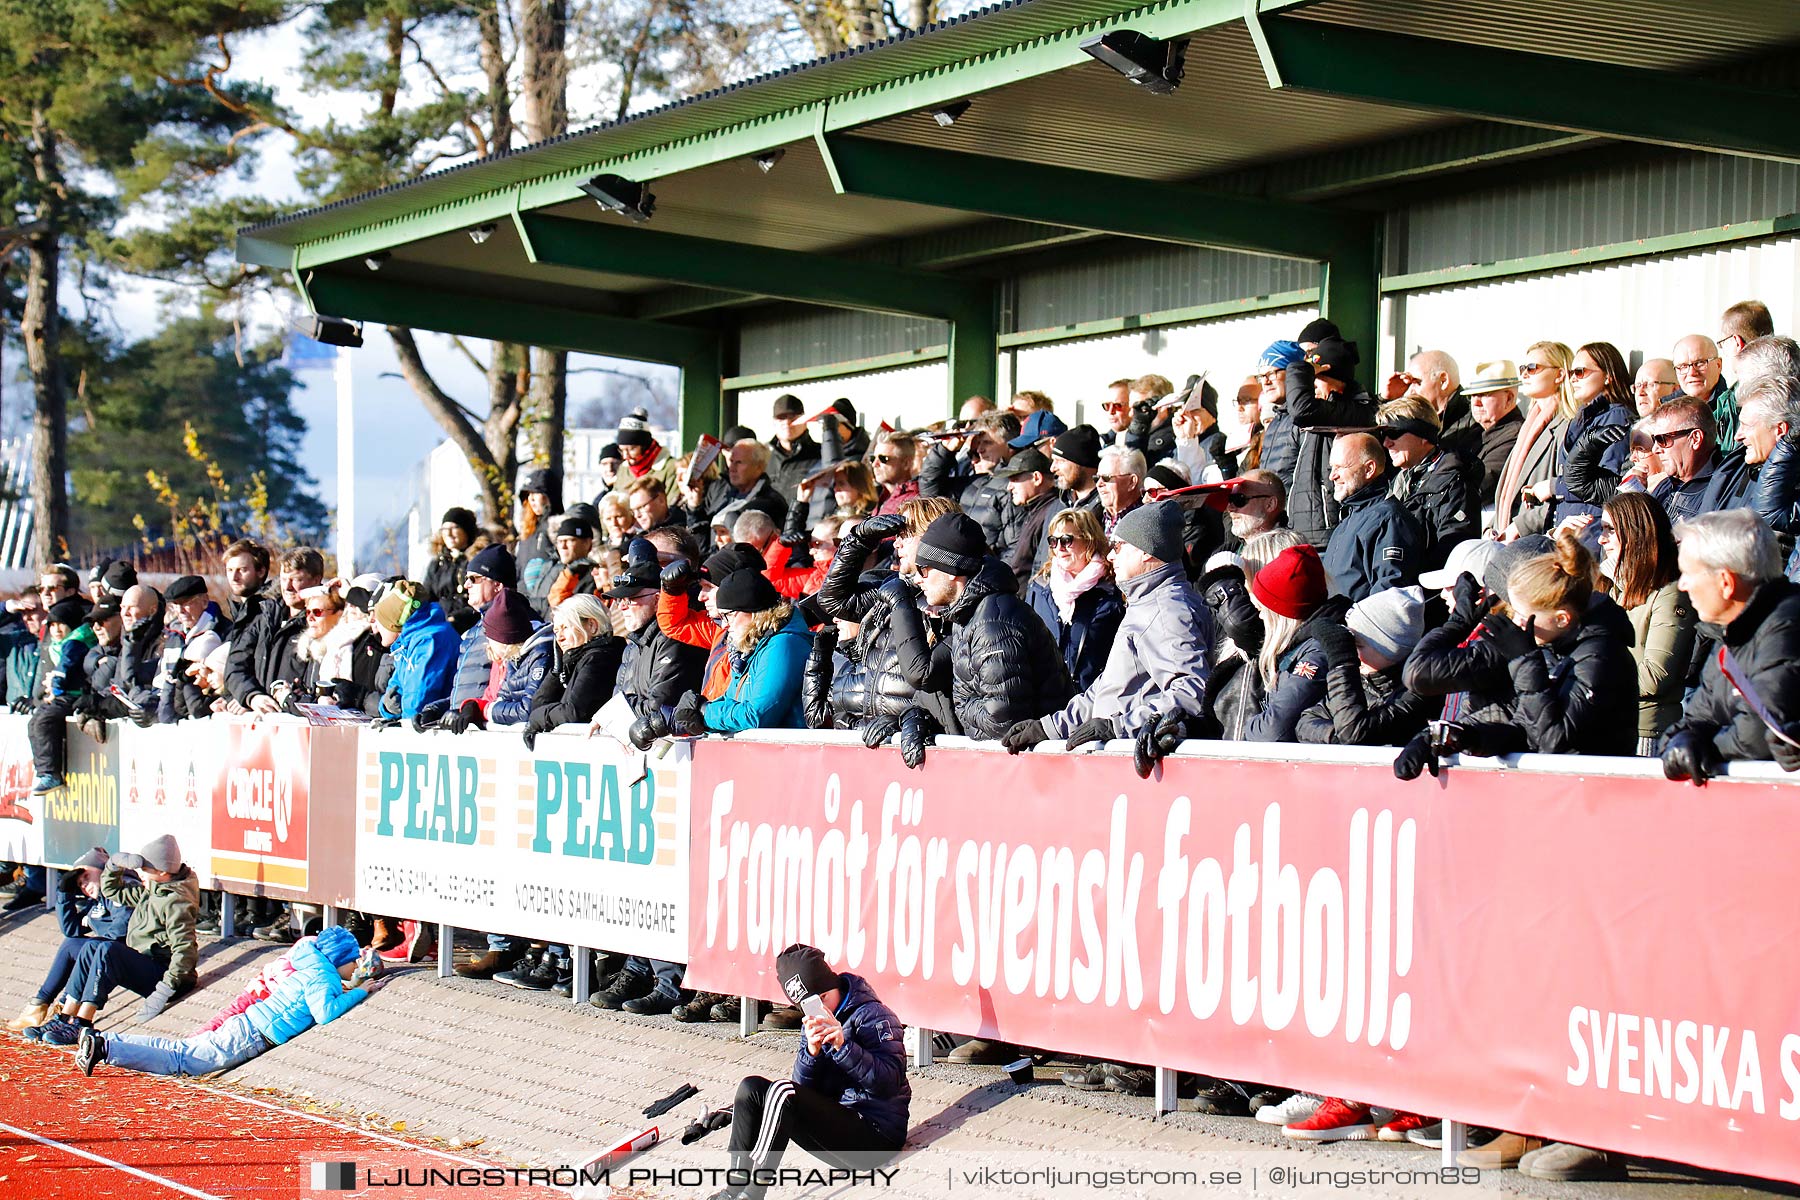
64 1136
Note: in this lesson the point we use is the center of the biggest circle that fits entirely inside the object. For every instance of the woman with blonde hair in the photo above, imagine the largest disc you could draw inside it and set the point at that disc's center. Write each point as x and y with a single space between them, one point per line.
1074 594
1289 592
768 644
585 670
325 648
1529 476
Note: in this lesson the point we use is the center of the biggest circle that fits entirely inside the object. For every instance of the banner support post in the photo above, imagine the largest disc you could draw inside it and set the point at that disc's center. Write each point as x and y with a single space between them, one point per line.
1456 1140
446 955
1165 1090
227 916
749 1015
329 916
580 982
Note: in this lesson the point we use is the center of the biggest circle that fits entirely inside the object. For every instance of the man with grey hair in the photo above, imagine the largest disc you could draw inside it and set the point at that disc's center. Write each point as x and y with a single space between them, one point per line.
748 486
1434 376
1771 355
1765 417
754 528
1121 483
1770 431
1731 571
1700 373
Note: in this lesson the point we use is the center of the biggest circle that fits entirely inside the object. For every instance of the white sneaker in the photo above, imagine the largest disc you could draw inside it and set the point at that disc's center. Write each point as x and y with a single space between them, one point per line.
1296 1107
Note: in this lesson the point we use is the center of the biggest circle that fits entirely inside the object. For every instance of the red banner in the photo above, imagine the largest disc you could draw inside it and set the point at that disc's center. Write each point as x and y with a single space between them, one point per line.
1608 961
259 827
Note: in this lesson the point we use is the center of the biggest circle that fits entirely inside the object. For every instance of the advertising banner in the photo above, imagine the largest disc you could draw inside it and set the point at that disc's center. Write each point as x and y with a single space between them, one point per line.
1606 961
581 842
168 775
85 812
21 813
261 794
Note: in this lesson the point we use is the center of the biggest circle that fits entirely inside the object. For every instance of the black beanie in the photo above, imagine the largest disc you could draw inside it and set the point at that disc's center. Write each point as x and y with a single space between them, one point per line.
120 578
496 563
1080 445
746 590
736 557
462 518
803 971
952 543
1317 330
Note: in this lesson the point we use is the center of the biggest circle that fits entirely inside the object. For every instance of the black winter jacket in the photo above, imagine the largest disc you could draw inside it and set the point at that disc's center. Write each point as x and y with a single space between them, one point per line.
264 654
1006 666
1572 694
1088 637
579 683
982 497
1598 429
1299 684
1776 496
788 467
1449 660
1733 484
890 652
1443 494
1278 448
1765 641
1366 710
655 670
1312 512
867 1074
443 582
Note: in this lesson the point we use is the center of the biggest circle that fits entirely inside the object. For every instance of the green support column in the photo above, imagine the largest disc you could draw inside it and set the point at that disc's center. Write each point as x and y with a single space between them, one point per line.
702 399
1350 292
975 354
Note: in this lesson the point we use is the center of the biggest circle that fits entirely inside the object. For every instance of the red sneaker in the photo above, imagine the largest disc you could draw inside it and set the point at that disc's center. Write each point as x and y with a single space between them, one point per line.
1402 1124
1336 1121
419 941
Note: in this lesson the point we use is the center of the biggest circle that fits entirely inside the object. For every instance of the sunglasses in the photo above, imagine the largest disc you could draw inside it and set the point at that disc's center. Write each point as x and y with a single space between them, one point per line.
1112 406
1663 441
1241 499
887 458
1061 541
1527 370
316 612
1580 373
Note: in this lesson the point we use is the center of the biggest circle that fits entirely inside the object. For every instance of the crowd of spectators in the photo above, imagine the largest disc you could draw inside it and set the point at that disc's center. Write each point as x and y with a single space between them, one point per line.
1556 555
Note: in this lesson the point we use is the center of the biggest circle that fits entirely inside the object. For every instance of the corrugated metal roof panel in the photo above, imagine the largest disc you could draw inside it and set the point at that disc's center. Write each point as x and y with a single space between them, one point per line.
1659 34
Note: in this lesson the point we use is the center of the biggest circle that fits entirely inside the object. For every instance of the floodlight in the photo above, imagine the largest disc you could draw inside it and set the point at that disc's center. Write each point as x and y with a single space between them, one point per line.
766 161
335 331
626 197
1154 65
481 233
377 260
949 114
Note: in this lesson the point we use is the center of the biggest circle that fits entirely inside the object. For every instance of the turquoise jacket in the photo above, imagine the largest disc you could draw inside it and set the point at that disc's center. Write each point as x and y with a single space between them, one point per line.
764 692
313 995
425 656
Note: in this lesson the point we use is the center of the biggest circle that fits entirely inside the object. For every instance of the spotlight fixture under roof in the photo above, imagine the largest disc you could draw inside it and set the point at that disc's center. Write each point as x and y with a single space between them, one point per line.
481 233
1154 65
626 197
335 331
949 114
377 260
766 161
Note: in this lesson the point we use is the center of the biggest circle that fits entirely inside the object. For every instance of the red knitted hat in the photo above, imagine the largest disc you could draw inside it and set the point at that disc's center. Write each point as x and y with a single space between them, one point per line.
1293 584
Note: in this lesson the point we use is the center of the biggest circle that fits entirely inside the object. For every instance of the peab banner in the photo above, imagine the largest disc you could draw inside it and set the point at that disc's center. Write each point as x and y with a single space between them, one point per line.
582 842
1603 960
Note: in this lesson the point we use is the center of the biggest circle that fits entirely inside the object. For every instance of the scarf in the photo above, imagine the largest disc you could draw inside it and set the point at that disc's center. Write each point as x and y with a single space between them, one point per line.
1066 589
1542 415
640 469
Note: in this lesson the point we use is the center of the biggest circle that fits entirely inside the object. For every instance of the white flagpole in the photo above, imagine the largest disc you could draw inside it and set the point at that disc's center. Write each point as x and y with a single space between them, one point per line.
346 467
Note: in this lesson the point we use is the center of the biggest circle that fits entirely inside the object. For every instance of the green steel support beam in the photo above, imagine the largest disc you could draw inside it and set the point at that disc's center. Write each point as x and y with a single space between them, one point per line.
390 302
1350 292
975 354
740 267
1170 212
702 396
1526 88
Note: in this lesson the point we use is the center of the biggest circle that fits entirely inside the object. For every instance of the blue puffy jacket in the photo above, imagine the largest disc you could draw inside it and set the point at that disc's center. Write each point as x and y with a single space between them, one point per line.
512 703
867 1074
424 662
471 667
313 995
1088 637
764 692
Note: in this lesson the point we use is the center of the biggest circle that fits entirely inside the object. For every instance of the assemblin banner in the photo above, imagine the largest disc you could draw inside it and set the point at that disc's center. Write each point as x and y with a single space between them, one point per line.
1604 960
581 841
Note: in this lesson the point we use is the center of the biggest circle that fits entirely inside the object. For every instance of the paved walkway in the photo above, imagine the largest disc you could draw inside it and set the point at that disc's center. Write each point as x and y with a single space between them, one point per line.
534 1080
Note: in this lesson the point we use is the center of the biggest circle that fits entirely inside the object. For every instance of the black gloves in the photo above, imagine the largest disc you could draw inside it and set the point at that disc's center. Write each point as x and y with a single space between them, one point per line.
1023 736
876 529
677 577
1509 639
1470 601
156 1002
21 705
469 715
877 730
1417 757
647 728
531 736
1094 729
687 721
429 716
1786 756
1338 643
917 731
385 723
1689 755
1156 742
143 718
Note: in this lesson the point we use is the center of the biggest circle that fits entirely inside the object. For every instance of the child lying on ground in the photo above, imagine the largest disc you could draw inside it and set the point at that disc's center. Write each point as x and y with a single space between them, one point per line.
314 993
